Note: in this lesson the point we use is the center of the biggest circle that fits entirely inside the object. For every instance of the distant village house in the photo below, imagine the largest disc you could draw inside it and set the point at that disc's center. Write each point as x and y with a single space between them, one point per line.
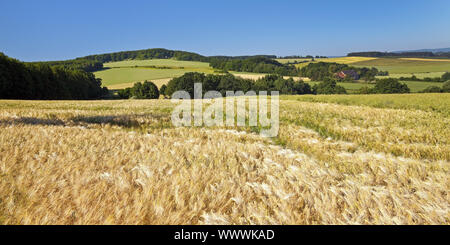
348 73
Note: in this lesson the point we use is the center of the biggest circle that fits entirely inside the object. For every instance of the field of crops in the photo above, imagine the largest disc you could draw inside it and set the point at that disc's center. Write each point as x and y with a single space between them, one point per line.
340 159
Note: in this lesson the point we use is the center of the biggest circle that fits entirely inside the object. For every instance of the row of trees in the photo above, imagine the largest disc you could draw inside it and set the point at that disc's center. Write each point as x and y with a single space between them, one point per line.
228 82
445 77
20 80
322 70
258 64
382 86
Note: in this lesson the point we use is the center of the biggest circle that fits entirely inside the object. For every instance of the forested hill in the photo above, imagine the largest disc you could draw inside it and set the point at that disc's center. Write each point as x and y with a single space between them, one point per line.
93 63
160 53
156 53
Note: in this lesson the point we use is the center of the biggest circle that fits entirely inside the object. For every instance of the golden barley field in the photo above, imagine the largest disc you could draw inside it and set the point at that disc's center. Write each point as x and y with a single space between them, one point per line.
338 159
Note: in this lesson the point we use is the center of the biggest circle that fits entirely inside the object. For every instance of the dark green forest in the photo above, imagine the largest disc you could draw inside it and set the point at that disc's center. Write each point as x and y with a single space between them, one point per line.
40 81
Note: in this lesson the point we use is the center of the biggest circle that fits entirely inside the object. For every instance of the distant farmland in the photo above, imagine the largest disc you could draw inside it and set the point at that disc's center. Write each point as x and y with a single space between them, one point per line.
123 74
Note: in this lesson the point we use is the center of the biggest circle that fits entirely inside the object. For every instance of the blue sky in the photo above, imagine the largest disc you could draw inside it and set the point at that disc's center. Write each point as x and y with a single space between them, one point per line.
55 30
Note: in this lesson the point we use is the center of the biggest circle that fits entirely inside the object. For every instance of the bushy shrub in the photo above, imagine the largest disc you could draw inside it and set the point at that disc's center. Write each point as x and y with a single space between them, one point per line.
390 86
163 90
146 90
124 93
445 76
446 87
432 89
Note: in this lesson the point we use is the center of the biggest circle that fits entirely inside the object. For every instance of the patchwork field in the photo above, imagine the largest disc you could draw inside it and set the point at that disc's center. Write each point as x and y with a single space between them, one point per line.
119 75
340 159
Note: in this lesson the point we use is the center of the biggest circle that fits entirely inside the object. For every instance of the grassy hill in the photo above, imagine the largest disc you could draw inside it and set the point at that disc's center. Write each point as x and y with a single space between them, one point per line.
124 74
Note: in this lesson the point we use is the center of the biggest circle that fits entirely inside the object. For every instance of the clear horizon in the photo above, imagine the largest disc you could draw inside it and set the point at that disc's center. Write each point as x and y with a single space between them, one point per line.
54 30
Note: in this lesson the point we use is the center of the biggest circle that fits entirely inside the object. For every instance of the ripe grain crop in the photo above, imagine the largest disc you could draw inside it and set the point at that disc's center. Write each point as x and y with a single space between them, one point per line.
122 162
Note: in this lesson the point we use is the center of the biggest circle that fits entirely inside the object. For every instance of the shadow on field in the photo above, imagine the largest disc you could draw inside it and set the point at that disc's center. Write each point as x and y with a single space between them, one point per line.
133 121
120 120
32 121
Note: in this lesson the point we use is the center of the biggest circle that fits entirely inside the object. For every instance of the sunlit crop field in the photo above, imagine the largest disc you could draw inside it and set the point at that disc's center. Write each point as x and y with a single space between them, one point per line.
339 159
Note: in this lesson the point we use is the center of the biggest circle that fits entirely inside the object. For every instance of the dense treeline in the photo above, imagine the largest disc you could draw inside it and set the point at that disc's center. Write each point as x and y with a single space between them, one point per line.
257 64
321 70
77 64
445 77
228 82
20 80
157 53
403 54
